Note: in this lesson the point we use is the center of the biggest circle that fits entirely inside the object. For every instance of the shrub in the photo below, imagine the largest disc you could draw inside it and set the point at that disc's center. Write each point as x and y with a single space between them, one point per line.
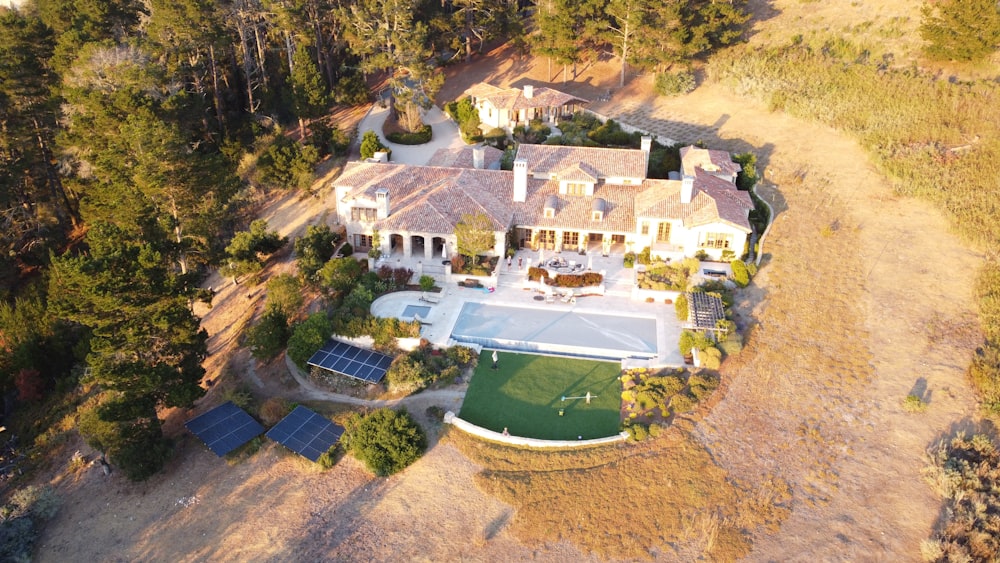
415 138
914 404
496 137
637 432
674 84
371 144
740 274
426 283
386 441
711 357
339 274
309 336
629 259
686 342
435 413
274 409
17 539
681 308
268 337
644 257
732 344
329 457
682 403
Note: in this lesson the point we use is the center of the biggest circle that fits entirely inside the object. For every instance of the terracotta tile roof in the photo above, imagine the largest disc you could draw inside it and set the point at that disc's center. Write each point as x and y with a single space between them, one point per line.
543 97
576 212
546 159
514 99
462 157
581 171
712 201
432 199
718 162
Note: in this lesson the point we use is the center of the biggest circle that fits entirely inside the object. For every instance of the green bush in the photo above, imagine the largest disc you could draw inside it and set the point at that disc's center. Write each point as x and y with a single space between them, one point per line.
629 259
386 441
17 539
269 336
637 432
681 308
644 257
686 342
732 344
307 337
496 137
682 403
415 138
674 84
329 457
740 274
284 294
914 404
426 283
371 144
711 357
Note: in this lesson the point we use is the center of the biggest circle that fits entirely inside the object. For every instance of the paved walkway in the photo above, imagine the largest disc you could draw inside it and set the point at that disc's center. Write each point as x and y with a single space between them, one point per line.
445 135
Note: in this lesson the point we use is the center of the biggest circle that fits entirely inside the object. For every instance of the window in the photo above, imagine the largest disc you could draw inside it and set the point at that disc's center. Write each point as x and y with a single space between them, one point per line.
716 240
362 241
550 212
644 228
571 239
663 232
627 181
597 216
363 214
576 188
546 238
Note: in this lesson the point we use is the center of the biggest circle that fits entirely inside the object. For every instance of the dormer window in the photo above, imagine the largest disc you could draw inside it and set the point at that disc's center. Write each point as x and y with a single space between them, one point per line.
549 211
597 209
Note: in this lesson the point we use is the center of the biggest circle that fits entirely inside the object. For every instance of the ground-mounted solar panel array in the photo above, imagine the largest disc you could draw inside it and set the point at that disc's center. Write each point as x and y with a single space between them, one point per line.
225 428
306 433
351 361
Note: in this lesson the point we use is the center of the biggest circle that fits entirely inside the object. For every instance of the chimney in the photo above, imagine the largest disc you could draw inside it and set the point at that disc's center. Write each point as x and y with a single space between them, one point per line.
520 180
529 91
647 143
687 189
478 158
381 203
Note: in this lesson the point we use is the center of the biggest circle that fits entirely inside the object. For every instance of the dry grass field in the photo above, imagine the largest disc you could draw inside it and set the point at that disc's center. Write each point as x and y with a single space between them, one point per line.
806 452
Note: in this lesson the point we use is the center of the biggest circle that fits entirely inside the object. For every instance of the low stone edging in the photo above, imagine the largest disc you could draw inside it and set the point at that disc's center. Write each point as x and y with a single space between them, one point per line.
468 427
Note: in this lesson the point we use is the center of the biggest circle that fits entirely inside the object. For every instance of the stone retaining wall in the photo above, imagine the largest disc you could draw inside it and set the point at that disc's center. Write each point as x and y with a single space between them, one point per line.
468 427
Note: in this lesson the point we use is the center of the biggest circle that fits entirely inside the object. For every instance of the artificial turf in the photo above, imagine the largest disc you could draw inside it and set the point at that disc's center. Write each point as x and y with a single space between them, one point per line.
525 394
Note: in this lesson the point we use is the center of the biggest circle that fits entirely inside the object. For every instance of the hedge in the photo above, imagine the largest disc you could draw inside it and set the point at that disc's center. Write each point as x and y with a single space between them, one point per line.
418 138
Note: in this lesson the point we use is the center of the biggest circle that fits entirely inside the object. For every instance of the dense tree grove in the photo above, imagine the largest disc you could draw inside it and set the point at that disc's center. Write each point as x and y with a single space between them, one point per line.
123 125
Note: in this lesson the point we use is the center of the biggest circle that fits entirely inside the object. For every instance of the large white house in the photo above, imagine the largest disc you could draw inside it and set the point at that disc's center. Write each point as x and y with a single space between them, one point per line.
507 108
558 198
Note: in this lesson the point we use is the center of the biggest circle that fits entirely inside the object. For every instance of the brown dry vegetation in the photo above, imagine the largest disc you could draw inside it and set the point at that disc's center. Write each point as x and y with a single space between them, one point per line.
663 498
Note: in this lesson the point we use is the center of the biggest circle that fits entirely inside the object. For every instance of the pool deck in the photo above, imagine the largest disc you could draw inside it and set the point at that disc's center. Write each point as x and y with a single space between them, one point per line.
444 314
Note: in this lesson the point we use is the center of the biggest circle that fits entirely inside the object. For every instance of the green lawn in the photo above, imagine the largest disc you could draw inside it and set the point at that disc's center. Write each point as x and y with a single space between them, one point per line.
525 395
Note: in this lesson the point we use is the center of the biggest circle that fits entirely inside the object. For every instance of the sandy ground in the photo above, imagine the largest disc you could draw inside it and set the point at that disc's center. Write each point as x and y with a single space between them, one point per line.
825 415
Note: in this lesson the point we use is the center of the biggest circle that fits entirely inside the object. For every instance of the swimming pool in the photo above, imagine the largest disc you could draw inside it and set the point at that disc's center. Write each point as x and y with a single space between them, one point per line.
587 334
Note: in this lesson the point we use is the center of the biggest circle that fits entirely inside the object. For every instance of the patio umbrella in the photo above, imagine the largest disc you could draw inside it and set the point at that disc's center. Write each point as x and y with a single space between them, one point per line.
590 262
541 256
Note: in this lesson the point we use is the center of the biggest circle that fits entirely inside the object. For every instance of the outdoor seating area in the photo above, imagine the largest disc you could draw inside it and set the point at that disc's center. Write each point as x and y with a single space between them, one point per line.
559 265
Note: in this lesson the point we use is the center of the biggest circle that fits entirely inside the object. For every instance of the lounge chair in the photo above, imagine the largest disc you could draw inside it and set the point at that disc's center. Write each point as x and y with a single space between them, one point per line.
430 299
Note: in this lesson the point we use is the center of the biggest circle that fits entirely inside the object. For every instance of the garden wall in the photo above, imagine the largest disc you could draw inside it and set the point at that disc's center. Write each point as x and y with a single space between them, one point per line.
468 427
631 128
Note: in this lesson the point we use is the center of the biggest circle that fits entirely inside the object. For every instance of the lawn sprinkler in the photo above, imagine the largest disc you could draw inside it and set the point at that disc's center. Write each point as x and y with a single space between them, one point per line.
588 397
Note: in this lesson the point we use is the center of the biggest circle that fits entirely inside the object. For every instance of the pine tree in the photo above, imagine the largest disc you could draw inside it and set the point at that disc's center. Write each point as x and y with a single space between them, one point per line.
960 30
309 93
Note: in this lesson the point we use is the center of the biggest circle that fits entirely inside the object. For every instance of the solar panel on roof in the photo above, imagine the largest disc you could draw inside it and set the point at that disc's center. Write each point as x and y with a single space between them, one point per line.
224 428
306 433
352 361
